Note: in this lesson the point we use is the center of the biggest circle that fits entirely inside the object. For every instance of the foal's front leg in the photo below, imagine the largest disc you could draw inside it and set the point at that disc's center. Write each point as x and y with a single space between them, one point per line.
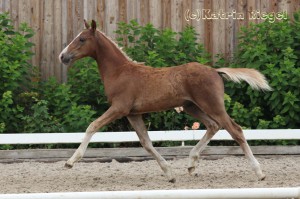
109 116
137 123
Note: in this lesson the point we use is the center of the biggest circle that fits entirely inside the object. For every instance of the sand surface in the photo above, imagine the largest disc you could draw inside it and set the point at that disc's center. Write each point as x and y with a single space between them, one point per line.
227 172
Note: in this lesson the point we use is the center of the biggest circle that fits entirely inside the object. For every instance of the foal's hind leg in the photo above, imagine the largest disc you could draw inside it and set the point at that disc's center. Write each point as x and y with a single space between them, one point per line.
137 123
237 134
213 106
212 128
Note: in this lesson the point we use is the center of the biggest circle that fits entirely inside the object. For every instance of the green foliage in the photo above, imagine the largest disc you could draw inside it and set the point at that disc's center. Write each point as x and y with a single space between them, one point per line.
64 106
85 84
58 95
277 122
78 118
9 113
273 49
244 116
168 120
2 127
159 48
15 52
14 71
40 120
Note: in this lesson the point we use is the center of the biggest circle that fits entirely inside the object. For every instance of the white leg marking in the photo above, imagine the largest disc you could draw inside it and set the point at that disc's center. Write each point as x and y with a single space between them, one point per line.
195 152
253 162
83 146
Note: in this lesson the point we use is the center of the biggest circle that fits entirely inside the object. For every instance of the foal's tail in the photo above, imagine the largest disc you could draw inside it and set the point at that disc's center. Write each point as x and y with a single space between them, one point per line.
253 77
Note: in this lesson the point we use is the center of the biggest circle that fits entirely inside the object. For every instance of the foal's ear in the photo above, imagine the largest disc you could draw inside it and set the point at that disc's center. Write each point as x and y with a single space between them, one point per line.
94 25
87 26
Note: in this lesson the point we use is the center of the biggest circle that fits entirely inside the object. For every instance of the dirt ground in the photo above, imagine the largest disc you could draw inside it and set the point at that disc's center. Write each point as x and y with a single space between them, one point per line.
227 172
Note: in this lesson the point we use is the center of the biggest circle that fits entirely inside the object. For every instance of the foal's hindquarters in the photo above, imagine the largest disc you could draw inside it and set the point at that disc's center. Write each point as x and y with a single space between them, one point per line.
208 107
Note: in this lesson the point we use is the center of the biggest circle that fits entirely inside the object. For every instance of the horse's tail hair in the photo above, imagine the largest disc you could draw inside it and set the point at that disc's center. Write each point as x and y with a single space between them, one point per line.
253 77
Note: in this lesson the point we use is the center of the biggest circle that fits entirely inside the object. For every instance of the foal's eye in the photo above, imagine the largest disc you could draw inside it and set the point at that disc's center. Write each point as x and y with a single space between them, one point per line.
81 39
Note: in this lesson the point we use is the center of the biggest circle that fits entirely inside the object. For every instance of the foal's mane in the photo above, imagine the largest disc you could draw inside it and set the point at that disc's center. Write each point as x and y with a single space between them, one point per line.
116 45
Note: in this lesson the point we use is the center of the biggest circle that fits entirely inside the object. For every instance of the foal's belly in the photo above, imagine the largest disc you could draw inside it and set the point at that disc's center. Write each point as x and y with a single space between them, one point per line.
147 107
157 100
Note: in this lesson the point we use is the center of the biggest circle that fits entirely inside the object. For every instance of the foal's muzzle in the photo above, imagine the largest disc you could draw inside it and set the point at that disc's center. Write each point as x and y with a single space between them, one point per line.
66 58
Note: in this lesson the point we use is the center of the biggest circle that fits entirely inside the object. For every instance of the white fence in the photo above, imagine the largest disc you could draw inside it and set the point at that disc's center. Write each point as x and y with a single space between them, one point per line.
117 137
260 193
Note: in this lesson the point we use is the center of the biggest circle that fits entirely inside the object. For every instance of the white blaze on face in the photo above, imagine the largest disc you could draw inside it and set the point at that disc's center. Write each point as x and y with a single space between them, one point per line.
66 48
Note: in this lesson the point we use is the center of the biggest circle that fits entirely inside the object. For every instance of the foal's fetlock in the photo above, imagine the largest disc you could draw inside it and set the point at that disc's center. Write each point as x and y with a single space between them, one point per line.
191 170
169 174
173 180
262 177
192 163
68 165
76 156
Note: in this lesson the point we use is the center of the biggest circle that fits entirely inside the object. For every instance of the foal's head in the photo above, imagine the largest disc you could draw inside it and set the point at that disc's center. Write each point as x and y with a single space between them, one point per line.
82 46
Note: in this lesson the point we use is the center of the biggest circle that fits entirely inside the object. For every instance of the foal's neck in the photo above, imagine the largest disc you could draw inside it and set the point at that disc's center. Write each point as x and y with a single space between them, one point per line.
110 59
108 56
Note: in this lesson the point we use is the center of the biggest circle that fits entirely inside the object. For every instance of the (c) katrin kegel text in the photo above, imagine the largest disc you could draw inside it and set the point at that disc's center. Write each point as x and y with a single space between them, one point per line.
208 14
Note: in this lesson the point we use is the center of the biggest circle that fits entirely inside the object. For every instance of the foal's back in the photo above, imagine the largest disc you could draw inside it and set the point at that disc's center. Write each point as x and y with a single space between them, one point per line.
155 89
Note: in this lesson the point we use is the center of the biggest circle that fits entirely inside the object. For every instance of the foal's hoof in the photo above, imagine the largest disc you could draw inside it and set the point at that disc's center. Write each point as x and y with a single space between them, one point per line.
68 166
261 178
173 180
191 170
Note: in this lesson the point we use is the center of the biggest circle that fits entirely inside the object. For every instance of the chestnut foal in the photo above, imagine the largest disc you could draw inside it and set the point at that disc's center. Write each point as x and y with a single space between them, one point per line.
133 89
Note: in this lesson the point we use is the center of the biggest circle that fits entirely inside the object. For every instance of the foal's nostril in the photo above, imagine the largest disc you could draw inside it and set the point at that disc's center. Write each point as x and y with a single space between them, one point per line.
65 58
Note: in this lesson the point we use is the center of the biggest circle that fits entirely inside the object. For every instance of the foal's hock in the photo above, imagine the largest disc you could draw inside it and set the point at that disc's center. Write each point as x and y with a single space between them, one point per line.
133 89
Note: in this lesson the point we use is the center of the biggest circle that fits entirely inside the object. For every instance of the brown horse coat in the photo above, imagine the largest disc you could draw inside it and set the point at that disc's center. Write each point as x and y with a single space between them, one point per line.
133 89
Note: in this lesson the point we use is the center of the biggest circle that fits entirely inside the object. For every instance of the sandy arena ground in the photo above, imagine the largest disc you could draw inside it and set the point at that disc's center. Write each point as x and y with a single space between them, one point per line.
227 172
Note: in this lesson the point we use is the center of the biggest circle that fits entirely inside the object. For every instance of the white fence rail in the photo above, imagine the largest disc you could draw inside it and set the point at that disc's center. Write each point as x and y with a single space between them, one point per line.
117 137
260 193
